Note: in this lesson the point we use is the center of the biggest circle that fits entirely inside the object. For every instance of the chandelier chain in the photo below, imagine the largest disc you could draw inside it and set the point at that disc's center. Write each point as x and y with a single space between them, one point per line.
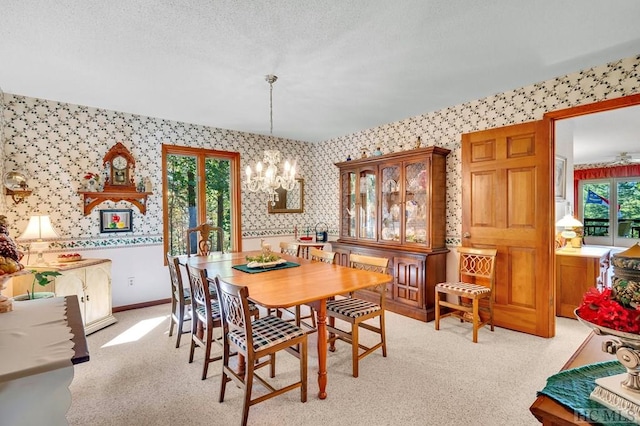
271 79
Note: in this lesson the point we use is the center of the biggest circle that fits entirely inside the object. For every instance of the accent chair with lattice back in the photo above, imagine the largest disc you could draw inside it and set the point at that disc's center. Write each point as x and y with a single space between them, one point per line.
355 312
476 282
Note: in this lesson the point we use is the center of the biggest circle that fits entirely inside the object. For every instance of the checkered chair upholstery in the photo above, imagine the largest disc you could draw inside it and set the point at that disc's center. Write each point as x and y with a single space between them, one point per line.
355 312
257 339
476 274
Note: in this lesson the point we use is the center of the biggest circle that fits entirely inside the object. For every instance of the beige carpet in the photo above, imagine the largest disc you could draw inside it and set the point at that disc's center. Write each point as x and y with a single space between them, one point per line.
428 378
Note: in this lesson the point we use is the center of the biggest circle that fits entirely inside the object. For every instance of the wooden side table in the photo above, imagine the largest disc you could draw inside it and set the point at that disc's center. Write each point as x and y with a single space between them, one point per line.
578 270
551 413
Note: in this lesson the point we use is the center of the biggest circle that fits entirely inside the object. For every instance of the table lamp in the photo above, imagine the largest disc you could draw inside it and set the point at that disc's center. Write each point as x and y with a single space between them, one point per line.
39 228
568 223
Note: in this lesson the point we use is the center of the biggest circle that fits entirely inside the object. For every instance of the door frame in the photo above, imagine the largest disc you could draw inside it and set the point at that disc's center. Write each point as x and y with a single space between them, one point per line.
550 119
234 172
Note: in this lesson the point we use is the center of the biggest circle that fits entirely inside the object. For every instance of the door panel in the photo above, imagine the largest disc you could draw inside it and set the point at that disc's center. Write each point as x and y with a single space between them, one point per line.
506 195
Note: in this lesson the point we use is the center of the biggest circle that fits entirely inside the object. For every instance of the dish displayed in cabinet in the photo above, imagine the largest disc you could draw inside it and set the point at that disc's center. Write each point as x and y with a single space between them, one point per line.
390 185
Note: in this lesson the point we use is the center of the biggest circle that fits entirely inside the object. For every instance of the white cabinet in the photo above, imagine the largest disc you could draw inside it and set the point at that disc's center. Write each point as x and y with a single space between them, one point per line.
90 280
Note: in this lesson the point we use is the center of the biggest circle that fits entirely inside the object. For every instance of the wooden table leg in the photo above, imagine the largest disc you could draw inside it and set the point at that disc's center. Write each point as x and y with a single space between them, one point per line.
322 348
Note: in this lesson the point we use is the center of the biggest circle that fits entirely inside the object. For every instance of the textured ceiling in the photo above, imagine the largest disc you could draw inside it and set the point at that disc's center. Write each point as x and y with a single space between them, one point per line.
343 66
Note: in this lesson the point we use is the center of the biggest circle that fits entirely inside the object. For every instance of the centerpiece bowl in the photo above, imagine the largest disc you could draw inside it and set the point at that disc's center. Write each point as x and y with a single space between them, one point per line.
626 347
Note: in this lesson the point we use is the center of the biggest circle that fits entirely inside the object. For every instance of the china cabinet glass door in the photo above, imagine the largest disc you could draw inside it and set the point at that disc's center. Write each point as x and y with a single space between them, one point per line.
391 203
349 211
415 197
367 204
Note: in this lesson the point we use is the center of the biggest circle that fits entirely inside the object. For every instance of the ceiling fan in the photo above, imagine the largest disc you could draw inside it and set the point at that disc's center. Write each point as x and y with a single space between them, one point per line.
627 158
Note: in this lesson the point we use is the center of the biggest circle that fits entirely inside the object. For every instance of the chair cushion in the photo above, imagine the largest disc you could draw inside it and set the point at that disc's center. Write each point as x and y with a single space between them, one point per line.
215 310
267 331
351 307
463 288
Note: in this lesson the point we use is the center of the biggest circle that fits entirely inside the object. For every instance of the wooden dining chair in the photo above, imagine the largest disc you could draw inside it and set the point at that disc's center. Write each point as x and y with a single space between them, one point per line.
476 281
180 299
355 312
317 255
206 317
292 249
206 313
254 340
204 235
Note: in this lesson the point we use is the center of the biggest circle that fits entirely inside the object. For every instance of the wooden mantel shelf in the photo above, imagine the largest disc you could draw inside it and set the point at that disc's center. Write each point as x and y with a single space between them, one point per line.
92 199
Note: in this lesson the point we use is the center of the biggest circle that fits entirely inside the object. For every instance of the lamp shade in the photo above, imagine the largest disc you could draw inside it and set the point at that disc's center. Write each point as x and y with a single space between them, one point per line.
568 221
38 228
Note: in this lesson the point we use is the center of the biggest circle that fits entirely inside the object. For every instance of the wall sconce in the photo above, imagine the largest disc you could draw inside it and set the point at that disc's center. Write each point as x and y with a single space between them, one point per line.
39 228
16 186
568 223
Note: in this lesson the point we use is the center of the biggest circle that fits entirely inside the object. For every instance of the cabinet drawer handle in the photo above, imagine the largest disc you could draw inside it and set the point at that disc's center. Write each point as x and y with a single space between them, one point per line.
87 297
466 235
82 299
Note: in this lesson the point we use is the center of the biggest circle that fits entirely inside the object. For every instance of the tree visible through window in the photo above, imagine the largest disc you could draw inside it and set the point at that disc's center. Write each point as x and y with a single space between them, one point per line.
199 188
611 208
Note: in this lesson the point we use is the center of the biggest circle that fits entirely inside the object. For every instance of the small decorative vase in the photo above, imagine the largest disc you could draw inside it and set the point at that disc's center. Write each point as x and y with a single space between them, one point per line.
91 185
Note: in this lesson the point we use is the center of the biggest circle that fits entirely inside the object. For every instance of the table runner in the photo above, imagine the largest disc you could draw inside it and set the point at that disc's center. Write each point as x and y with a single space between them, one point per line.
248 270
572 388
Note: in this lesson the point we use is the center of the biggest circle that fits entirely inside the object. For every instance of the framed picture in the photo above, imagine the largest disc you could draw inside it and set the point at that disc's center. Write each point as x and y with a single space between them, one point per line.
560 176
116 220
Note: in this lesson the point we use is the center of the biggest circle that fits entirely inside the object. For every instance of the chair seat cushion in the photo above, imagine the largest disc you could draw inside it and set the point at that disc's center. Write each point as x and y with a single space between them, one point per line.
464 289
351 307
215 310
267 331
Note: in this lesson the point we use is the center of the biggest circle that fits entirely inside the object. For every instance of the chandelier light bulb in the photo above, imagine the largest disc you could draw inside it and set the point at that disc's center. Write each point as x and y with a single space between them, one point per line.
259 167
248 171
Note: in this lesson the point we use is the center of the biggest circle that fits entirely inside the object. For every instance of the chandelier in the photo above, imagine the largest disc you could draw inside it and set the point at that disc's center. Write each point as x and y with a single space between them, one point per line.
265 178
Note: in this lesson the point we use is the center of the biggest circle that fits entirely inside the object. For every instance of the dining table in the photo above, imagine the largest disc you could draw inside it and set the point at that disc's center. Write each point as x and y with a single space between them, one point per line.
310 283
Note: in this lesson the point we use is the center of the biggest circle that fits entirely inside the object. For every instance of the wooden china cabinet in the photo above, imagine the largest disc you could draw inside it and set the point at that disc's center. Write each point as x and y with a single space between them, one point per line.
394 206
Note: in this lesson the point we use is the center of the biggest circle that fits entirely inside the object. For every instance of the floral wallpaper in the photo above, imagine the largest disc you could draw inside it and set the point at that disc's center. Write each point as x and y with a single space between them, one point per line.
57 143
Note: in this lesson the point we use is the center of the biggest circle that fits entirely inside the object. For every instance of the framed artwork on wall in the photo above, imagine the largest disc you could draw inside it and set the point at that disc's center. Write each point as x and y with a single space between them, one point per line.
116 220
560 178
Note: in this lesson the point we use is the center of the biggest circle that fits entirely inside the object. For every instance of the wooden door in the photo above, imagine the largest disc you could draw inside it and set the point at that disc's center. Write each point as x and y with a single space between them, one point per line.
507 188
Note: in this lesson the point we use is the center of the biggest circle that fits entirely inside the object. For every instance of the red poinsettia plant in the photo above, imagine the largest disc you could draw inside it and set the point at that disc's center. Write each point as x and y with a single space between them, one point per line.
601 308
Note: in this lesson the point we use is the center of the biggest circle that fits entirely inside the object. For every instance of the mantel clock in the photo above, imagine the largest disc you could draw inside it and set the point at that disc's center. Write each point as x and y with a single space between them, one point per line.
121 165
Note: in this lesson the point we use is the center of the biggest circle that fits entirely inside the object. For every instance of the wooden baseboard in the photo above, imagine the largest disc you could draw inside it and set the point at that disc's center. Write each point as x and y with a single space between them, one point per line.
140 305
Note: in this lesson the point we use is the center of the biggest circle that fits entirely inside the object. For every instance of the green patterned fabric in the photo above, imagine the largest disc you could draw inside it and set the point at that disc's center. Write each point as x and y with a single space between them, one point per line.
244 268
572 388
